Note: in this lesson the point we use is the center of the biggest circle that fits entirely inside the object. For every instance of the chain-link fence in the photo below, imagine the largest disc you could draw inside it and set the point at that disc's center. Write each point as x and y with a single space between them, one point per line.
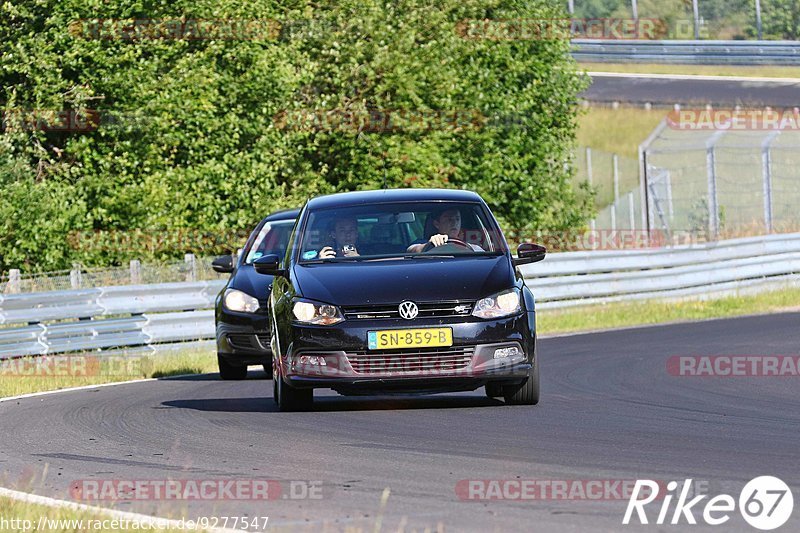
723 183
136 273
615 181
699 19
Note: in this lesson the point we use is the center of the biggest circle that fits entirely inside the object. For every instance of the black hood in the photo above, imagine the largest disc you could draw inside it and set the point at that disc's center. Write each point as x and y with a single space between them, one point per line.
248 280
389 282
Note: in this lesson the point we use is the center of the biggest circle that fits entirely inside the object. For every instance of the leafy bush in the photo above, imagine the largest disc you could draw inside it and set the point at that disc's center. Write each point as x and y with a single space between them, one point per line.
189 137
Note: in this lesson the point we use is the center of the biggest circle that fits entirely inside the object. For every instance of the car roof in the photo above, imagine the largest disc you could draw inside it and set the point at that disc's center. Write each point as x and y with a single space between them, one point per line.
346 199
284 214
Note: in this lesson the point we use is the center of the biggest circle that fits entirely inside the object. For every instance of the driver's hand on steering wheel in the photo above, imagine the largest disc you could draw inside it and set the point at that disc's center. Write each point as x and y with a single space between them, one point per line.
438 240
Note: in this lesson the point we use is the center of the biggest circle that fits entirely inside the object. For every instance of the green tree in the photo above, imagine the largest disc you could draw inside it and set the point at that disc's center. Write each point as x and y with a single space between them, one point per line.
190 136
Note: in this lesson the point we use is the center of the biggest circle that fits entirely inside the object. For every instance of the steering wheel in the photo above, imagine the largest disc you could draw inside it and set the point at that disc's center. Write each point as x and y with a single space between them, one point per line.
456 242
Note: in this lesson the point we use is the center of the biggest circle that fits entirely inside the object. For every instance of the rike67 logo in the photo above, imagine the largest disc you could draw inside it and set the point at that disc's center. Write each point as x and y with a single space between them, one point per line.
766 503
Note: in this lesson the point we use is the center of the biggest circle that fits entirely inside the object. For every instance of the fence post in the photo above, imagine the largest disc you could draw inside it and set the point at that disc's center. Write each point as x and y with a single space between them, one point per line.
589 173
191 274
14 281
643 177
571 6
615 163
766 172
711 170
136 272
614 216
635 10
670 204
696 12
75 276
631 214
758 20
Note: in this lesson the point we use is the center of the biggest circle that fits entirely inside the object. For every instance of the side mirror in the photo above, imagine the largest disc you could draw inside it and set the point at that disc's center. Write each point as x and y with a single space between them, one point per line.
529 253
269 265
223 264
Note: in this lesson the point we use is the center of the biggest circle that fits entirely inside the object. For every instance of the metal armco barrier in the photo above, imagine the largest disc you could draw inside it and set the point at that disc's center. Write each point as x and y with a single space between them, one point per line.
143 316
687 52
725 267
158 318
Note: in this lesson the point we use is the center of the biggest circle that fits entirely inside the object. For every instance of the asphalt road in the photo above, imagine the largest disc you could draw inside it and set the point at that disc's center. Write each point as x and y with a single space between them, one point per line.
719 93
610 411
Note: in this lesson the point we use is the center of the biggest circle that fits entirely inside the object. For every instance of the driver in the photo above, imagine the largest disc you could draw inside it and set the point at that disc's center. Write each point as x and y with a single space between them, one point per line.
447 224
344 233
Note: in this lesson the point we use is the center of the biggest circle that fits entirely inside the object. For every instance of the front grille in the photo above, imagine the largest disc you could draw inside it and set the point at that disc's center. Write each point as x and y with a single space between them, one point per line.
263 339
258 342
241 342
411 361
426 310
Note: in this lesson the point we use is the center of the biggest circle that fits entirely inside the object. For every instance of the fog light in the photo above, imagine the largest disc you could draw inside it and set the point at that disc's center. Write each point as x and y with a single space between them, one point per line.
312 360
502 353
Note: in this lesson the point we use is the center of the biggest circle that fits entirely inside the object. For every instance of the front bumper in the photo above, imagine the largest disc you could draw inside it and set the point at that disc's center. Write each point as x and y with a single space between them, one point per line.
244 339
482 351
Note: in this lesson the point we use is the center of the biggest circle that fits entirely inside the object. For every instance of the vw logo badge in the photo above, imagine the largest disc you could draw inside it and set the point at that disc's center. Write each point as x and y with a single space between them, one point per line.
409 310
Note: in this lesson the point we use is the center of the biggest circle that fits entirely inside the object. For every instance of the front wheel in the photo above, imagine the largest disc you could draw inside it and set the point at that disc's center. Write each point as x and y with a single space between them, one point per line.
291 399
229 372
527 392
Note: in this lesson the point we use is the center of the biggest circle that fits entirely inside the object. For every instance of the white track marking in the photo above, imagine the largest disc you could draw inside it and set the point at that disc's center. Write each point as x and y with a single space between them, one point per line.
82 387
693 77
98 386
152 521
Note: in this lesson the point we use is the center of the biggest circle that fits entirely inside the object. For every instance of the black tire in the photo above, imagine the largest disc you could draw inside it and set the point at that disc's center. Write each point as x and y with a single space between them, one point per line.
291 399
230 372
494 390
527 392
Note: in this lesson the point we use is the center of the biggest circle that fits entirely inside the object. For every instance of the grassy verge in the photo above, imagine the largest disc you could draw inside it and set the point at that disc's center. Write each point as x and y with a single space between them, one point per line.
23 376
647 313
618 131
24 517
697 70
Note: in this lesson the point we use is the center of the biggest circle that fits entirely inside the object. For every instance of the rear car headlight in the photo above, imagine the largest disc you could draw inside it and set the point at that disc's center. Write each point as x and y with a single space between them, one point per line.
316 313
240 301
502 304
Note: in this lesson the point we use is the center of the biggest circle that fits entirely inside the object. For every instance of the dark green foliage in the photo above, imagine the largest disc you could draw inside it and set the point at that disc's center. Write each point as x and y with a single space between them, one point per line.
188 138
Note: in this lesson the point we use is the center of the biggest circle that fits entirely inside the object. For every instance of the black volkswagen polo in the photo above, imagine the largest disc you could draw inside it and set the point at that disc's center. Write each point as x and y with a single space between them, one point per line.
241 306
402 291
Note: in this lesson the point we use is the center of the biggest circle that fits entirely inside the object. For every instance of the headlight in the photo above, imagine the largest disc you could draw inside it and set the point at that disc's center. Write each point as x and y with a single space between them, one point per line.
240 301
316 313
503 304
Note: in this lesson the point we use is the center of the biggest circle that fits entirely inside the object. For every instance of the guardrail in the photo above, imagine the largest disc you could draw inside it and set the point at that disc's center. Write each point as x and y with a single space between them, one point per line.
687 52
716 269
149 317
165 316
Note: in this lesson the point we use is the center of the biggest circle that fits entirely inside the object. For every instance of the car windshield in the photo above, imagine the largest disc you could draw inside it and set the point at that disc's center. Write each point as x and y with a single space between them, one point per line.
273 238
400 230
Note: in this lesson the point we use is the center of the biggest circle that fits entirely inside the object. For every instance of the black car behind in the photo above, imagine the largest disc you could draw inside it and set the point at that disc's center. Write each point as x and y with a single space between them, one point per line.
243 332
